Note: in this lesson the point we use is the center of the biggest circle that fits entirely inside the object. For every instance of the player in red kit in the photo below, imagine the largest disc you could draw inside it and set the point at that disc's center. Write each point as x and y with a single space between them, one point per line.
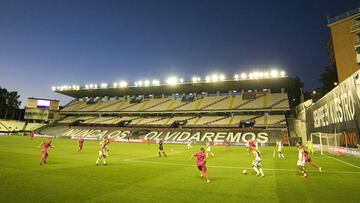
81 143
249 145
227 145
45 146
309 160
200 163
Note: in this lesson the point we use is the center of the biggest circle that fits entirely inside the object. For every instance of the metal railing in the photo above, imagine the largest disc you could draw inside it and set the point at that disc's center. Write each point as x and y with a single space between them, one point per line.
356 26
357 43
343 15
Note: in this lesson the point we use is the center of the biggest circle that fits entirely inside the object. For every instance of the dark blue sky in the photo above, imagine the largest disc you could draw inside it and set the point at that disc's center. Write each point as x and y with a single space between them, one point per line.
45 43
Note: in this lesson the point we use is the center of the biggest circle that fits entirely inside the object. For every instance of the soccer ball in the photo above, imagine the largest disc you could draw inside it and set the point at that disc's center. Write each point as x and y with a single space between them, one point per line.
244 172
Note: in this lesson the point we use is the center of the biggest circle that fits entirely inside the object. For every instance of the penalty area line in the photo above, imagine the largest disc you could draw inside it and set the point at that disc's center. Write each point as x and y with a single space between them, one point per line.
235 167
344 162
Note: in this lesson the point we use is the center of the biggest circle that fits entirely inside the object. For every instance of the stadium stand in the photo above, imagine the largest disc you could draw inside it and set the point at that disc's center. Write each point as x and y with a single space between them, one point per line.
11 126
33 126
207 103
229 104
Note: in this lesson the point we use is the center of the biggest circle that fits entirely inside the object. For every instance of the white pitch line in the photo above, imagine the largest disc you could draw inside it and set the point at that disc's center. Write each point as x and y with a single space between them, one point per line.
347 163
239 167
152 156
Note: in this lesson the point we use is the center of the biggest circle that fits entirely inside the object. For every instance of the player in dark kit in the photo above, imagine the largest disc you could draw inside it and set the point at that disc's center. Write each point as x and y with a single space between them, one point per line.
81 143
161 148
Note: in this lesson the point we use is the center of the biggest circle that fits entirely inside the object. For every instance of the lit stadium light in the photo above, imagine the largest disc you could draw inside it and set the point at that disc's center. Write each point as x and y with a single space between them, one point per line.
196 79
156 82
91 86
58 87
236 76
53 88
207 78
146 82
256 75
87 86
260 74
274 73
214 77
181 80
282 73
74 87
95 86
123 84
115 84
104 85
172 81
266 74
140 83
251 75
222 77
135 84
243 76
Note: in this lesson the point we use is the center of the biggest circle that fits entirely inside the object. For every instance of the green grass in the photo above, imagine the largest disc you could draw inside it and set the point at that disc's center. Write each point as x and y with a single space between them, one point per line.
135 174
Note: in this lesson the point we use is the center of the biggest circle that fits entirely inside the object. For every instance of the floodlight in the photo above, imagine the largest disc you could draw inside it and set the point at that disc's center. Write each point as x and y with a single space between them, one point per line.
243 76
236 76
123 84
103 85
214 77
207 78
156 82
274 73
146 82
282 73
172 81
222 77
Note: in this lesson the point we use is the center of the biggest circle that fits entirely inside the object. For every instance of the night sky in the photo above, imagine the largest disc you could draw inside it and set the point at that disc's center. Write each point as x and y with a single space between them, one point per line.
46 43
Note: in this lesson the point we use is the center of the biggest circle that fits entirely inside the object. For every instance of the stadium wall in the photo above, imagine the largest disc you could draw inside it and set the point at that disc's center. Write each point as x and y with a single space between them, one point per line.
338 112
171 135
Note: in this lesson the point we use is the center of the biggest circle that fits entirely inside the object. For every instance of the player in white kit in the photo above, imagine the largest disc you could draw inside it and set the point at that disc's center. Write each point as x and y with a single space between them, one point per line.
279 149
189 144
301 159
257 161
208 150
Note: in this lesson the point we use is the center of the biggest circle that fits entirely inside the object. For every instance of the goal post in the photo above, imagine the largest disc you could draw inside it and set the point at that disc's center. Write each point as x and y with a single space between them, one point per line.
325 142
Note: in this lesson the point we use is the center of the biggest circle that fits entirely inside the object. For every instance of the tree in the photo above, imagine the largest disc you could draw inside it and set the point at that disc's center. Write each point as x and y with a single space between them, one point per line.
9 102
329 77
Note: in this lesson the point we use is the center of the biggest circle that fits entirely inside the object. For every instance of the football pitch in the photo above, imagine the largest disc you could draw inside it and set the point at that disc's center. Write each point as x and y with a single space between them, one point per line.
135 173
